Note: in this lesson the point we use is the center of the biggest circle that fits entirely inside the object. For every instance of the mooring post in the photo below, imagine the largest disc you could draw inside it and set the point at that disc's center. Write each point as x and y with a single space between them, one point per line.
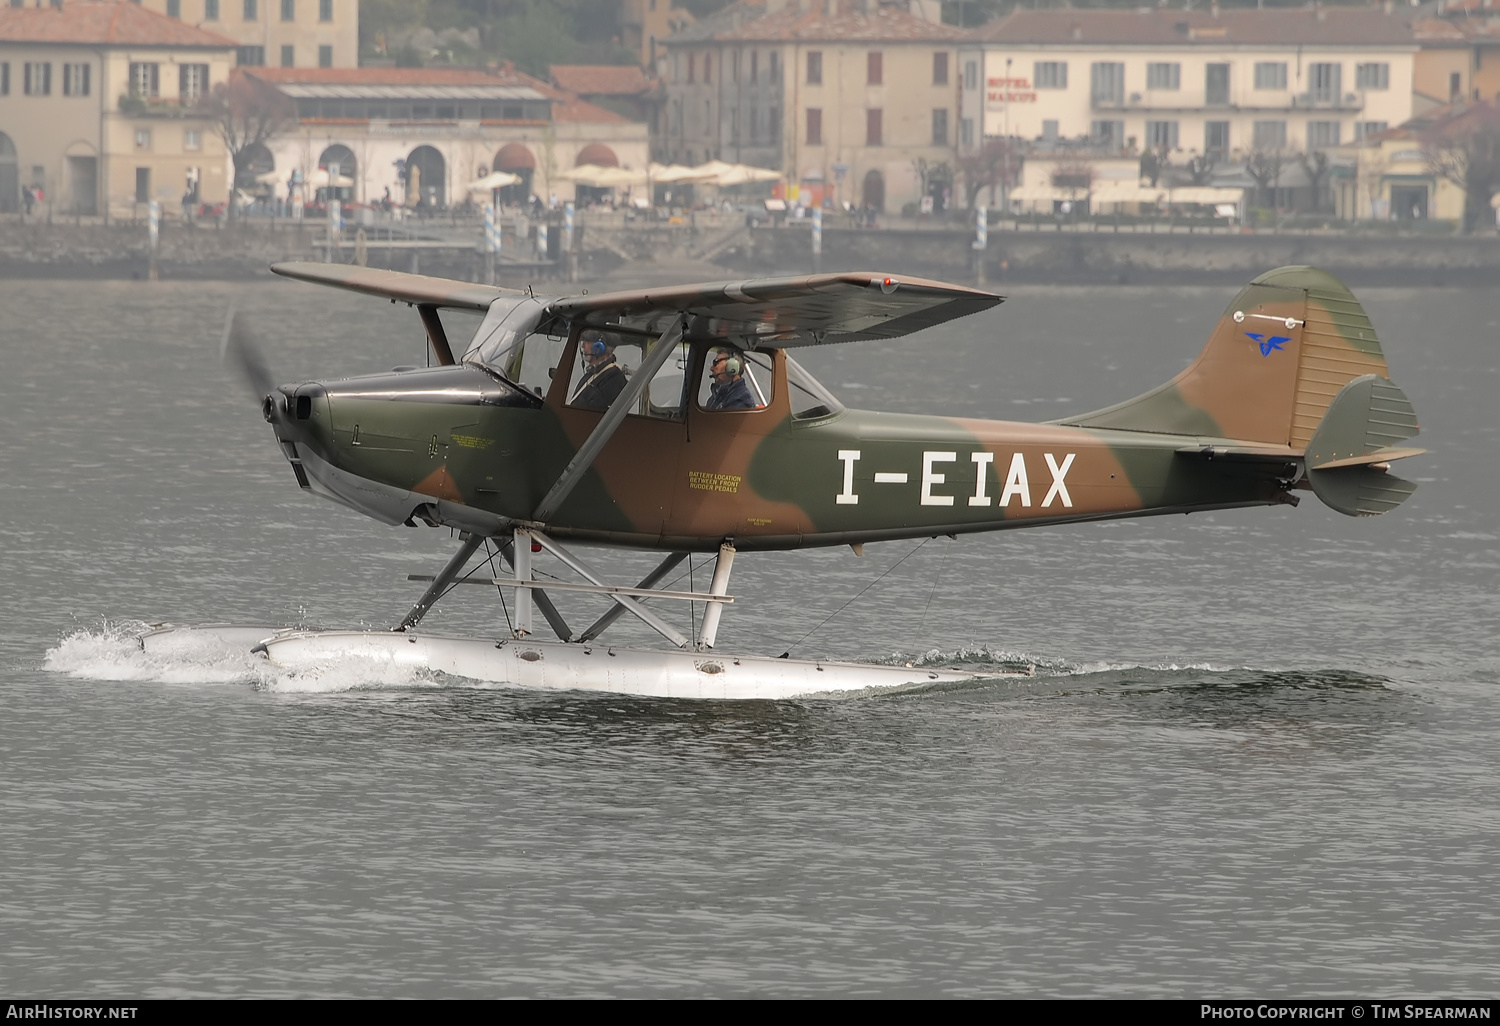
817 247
153 229
981 241
491 243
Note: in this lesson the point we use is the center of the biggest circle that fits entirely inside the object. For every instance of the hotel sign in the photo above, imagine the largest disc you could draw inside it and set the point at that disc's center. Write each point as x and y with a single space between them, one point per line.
1002 91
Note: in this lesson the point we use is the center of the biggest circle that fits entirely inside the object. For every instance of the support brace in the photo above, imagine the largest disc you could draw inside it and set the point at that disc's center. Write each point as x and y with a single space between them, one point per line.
440 583
630 605
649 581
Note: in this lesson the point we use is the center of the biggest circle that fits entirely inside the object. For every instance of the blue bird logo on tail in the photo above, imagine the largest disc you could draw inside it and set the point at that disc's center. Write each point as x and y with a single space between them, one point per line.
1275 342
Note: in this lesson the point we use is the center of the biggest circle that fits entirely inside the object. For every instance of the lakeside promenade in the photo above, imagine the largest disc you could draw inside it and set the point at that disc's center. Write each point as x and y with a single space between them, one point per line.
713 245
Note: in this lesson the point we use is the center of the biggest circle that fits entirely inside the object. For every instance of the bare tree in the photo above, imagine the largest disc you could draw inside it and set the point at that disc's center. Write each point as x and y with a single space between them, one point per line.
1200 169
994 163
1465 149
1315 166
1154 163
1265 167
246 113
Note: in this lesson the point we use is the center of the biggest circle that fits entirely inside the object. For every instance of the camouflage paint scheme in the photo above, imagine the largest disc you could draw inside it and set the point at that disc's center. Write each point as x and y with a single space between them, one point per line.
455 445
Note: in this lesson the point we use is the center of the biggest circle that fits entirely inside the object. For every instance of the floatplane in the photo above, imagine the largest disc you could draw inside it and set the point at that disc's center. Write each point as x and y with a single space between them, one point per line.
677 420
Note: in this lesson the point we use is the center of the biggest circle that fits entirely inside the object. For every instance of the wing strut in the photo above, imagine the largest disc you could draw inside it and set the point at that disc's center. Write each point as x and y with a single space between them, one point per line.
605 429
436 334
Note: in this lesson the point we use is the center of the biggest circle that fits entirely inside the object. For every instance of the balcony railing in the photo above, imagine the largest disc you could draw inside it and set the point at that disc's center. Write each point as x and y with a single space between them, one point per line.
137 106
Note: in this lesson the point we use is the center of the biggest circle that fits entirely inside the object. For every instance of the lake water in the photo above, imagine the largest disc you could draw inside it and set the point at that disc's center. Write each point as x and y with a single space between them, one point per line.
1260 755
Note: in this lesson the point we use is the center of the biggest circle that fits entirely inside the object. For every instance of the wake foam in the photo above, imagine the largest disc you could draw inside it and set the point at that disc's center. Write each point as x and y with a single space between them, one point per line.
978 658
114 652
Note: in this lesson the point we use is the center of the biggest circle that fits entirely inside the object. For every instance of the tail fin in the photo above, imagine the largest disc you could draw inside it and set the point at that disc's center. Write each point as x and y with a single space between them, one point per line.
1294 364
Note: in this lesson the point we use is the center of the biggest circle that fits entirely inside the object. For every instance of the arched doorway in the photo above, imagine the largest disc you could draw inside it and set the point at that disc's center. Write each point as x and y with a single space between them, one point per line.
253 162
515 159
338 160
598 155
873 196
426 179
10 177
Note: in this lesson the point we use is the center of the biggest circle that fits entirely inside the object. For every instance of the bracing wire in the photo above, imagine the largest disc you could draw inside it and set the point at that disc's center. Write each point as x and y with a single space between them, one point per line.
846 605
937 578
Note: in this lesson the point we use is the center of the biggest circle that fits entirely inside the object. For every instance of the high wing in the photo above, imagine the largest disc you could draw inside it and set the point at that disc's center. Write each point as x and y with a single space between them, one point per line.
418 289
785 312
793 311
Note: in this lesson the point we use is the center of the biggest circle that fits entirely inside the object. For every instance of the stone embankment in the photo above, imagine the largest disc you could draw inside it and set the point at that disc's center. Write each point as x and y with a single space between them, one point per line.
640 254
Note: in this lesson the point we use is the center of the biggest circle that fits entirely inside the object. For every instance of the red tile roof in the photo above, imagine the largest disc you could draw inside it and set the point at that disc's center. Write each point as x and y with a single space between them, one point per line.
401 76
601 79
859 21
582 110
1324 26
103 23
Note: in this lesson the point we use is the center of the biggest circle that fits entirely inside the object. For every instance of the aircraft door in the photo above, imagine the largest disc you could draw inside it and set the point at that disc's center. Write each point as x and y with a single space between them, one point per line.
639 465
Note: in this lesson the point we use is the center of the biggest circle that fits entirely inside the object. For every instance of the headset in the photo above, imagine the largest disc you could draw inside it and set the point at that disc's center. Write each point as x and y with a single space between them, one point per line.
732 364
598 347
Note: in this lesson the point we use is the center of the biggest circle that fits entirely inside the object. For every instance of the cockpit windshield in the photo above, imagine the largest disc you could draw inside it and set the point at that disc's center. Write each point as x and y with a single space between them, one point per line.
810 399
498 341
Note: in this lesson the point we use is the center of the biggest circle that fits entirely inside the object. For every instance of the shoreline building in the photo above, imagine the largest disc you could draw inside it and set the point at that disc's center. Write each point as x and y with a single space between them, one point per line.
99 109
1460 55
425 133
1210 82
276 33
854 101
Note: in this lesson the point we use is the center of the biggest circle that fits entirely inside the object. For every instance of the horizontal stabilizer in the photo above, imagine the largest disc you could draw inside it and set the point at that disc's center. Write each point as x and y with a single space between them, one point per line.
1360 491
1348 454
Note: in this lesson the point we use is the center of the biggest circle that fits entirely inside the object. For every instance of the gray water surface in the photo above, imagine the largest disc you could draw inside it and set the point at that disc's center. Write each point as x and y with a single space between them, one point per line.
1259 757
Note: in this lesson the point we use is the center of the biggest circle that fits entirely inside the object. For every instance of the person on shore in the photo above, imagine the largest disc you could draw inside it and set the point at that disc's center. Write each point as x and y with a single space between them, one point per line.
28 198
603 378
728 392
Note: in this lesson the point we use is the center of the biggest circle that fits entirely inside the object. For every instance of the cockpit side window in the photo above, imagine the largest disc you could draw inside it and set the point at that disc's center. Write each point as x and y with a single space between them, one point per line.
810 400
607 360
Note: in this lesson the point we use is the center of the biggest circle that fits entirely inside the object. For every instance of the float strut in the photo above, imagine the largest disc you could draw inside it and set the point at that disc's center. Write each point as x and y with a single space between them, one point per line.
521 559
440 582
719 586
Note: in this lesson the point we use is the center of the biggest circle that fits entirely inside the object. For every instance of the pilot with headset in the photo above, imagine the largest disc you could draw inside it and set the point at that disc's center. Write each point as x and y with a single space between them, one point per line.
603 379
728 392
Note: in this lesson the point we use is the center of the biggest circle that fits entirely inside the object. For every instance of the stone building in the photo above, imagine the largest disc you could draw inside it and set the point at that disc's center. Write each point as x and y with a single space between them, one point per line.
98 109
422 134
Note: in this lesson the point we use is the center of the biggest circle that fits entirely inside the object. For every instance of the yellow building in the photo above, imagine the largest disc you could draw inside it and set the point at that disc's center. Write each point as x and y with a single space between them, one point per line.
277 33
1393 179
1204 81
1460 54
98 109
853 100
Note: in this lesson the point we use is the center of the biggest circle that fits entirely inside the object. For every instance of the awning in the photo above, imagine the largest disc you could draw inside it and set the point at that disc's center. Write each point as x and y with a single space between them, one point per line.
492 181
1205 194
1046 193
602 177
1127 192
